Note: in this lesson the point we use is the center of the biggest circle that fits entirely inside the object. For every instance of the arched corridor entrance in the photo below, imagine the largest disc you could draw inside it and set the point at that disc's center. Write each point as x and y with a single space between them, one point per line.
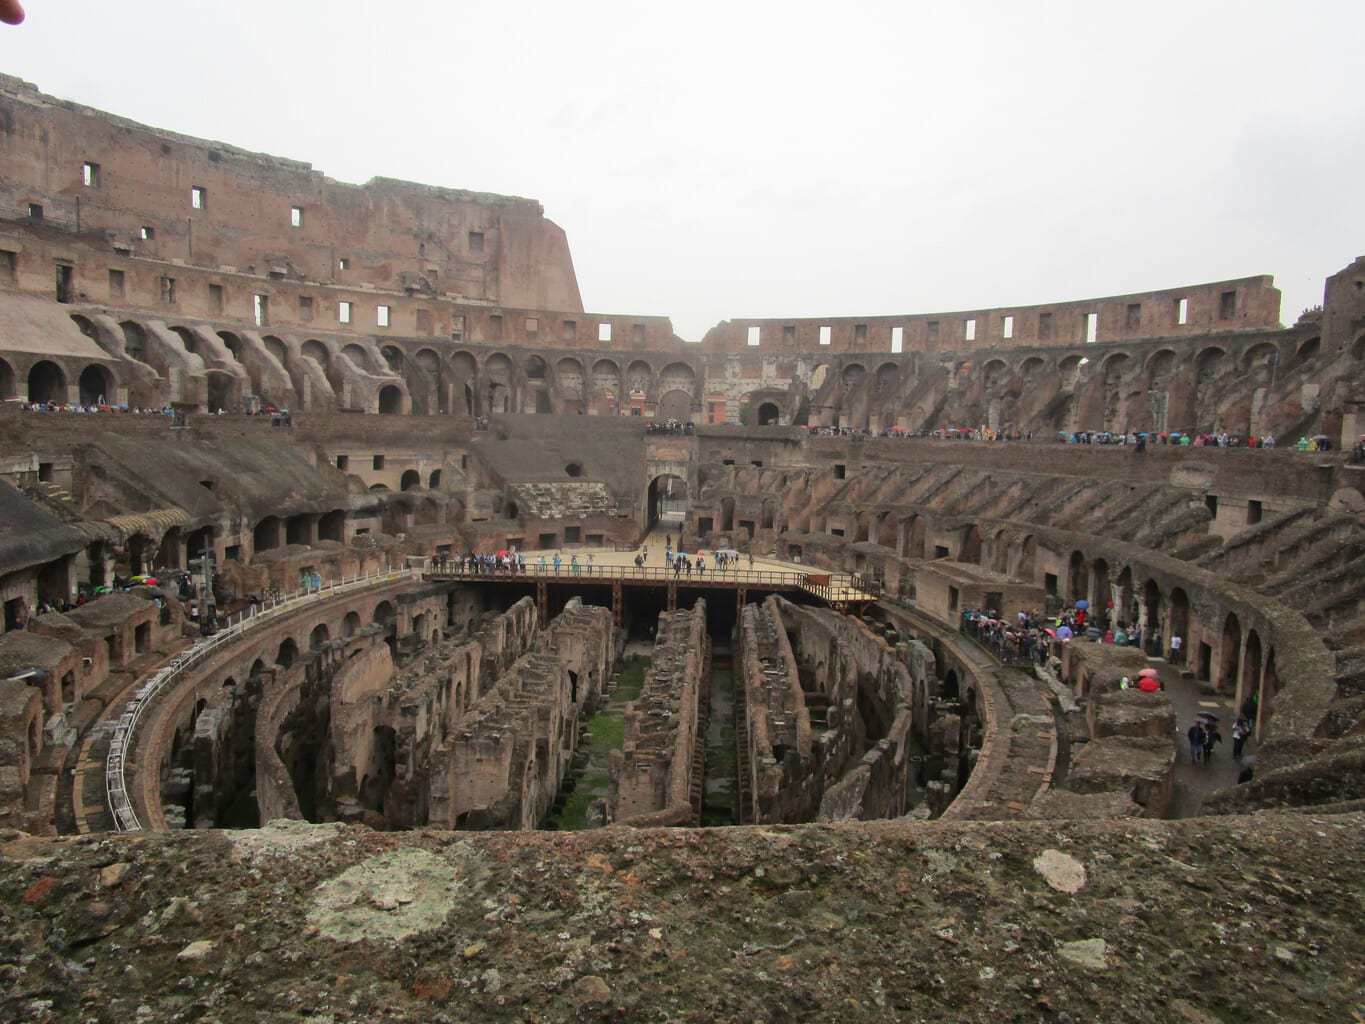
768 414
666 501
46 383
97 385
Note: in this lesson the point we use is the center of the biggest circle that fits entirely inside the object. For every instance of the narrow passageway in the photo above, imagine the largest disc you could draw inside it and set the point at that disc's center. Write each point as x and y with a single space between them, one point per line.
1194 781
718 792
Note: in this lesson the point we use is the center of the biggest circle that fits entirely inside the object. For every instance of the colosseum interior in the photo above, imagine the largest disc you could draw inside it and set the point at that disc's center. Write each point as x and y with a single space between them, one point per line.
347 623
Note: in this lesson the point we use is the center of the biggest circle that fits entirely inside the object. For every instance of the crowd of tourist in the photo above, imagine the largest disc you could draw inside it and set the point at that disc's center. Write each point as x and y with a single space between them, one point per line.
676 427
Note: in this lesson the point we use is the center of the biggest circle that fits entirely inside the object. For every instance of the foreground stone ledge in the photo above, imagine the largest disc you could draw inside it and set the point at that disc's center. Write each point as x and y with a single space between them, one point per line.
1227 919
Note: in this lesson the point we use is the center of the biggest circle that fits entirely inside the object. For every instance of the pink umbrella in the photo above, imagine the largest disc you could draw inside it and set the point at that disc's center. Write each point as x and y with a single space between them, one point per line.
1150 672
1148 684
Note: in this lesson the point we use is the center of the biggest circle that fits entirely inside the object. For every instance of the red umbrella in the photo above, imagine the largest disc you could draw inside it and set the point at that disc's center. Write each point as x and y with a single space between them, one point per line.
1149 672
502 553
1148 684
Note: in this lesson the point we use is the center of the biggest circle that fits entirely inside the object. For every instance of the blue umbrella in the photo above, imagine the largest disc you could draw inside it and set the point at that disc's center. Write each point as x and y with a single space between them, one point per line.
1082 603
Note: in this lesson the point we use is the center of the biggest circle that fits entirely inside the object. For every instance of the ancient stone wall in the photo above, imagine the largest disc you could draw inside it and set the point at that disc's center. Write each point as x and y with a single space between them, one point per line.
652 782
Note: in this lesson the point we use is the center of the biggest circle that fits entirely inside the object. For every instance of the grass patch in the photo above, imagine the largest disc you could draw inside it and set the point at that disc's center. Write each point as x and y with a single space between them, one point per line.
574 814
607 731
631 679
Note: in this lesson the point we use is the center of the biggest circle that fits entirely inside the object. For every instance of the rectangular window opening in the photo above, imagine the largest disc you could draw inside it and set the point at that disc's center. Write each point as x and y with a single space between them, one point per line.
168 291
305 307
1044 326
969 329
1132 316
148 233
755 334
931 330
897 339
260 309
1254 512
637 333
1092 327
344 311
840 471
377 462
116 283
495 326
860 332
789 332
343 462
1211 503
568 330
90 174
1182 312
476 241
35 211
604 332
344 263
9 266
532 326
382 316
296 216
199 197
826 334
1227 305
1008 331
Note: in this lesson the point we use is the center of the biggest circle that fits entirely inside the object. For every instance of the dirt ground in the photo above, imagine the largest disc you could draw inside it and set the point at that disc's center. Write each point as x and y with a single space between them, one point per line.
1205 921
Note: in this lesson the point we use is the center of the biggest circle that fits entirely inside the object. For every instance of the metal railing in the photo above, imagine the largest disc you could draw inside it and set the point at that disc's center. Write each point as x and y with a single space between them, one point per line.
120 742
534 572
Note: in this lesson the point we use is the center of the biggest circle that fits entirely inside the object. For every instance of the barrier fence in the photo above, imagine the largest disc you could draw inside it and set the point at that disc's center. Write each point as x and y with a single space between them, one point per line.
120 741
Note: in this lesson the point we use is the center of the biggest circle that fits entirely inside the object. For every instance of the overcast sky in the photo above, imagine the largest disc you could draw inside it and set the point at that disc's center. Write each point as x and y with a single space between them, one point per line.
787 159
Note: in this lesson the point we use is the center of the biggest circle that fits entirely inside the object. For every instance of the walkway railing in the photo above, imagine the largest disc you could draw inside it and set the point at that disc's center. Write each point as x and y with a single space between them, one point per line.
831 586
120 742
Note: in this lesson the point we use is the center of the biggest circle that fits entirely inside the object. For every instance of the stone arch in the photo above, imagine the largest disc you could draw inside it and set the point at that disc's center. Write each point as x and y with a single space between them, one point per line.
96 385
288 653
46 382
393 355
134 340
356 354
768 414
1161 364
639 377
1259 363
434 479
498 373
317 351
1229 654
384 613
1309 350
535 368
276 348
818 376
410 481
390 400
853 374
319 636
224 391
1210 360
971 545
994 374
1077 577
606 380
350 623
187 339
266 534
1028 559
7 385
1251 668
1152 603
1032 369
675 404
1069 371
569 379
678 377
431 379
888 377
232 343
1180 626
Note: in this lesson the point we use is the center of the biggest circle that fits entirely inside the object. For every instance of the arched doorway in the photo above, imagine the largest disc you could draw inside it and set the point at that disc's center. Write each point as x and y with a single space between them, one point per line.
1180 625
320 635
1229 654
287 654
768 414
1151 605
1251 668
971 546
385 616
350 624
96 385
1078 579
46 383
224 392
667 500
1099 593
390 400
410 481
6 380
